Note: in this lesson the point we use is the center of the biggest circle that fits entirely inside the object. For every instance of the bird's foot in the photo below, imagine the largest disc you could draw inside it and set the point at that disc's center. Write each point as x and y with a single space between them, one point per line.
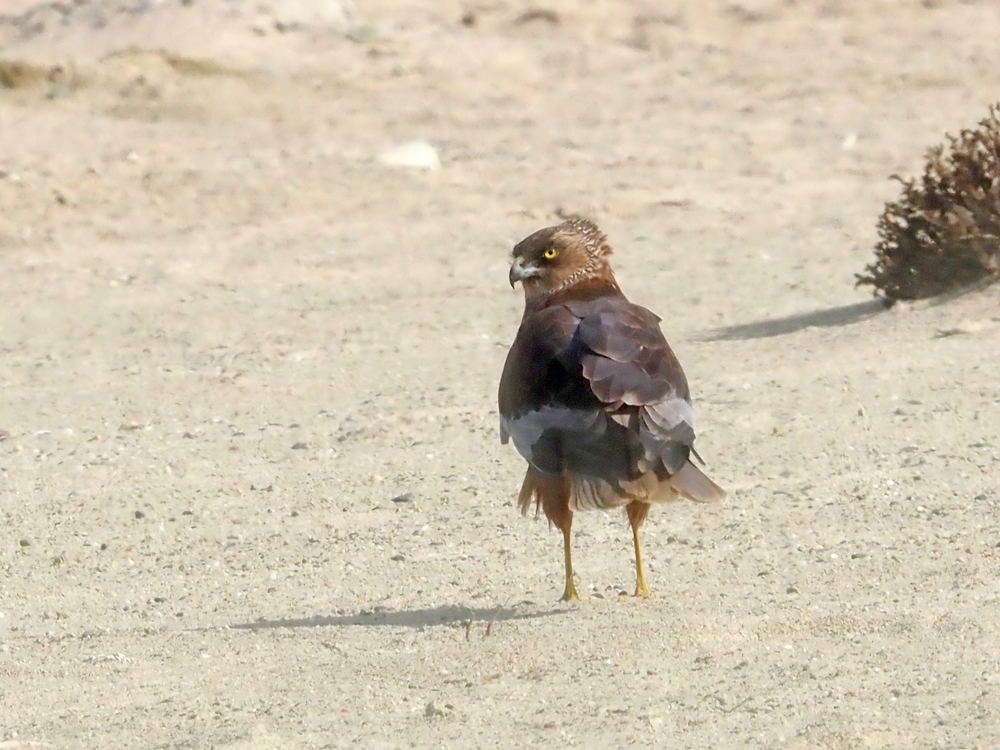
570 595
641 589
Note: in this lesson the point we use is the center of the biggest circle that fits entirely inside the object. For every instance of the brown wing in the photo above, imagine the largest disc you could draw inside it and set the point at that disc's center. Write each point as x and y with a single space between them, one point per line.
548 408
634 372
593 388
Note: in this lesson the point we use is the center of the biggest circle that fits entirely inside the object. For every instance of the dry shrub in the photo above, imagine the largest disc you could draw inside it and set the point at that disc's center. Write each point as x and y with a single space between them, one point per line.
944 233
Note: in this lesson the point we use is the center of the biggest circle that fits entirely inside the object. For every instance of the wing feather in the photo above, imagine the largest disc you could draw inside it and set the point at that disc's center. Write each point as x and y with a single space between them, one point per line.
592 388
631 368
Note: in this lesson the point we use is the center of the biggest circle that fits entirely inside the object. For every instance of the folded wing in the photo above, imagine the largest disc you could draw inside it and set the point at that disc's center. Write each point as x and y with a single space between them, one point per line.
593 389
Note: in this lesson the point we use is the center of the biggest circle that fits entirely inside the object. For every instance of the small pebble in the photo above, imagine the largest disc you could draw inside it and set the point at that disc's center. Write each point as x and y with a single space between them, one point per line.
403 498
415 154
364 33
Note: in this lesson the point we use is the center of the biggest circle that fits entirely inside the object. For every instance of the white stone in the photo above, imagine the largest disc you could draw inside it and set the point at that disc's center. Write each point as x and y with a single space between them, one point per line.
336 14
415 154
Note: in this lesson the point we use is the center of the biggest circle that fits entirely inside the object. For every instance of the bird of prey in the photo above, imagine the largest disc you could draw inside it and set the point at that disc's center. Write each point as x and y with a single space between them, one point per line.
591 393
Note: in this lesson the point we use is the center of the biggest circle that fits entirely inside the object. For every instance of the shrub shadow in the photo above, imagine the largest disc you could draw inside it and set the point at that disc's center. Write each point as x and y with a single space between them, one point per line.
833 316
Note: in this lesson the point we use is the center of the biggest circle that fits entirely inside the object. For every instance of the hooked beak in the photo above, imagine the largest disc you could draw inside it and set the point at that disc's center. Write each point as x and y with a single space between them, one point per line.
518 272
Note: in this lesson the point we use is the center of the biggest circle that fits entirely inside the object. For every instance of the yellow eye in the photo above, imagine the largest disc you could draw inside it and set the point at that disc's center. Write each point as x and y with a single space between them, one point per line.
550 253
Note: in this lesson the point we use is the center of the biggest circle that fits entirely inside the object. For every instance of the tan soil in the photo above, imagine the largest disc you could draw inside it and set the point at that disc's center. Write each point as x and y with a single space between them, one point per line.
230 336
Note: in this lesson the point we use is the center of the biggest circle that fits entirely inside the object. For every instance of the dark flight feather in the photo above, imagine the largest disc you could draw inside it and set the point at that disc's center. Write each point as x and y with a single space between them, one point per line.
592 388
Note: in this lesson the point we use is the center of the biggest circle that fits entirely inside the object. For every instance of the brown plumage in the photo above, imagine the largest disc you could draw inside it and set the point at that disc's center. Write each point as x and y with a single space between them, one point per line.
591 394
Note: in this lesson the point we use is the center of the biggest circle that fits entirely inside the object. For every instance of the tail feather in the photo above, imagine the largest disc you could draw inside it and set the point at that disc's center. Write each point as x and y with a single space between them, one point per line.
528 492
551 495
555 495
693 484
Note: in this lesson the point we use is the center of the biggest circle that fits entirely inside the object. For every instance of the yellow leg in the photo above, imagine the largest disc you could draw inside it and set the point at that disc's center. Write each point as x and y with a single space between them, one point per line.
641 589
570 593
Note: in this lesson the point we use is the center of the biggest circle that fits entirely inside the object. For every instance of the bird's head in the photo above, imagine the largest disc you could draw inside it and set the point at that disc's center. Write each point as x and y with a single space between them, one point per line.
555 258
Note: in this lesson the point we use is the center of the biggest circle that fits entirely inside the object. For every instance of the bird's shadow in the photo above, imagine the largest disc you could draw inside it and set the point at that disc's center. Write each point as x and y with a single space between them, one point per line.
841 315
405 618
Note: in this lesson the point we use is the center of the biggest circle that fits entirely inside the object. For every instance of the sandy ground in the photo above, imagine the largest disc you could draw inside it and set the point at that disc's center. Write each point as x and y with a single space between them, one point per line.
251 486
